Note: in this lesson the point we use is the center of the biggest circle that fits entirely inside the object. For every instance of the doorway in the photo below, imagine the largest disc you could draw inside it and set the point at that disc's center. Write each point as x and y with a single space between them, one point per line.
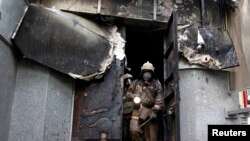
98 104
160 48
144 45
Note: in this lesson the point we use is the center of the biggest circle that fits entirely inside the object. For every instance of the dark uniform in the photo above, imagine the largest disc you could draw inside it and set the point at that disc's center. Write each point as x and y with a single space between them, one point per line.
127 109
151 97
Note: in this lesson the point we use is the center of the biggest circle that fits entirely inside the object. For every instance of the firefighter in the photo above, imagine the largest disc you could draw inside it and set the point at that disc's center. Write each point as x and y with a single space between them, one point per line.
127 108
146 92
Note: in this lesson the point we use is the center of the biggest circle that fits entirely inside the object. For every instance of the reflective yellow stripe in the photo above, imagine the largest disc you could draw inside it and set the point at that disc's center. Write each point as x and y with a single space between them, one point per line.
135 117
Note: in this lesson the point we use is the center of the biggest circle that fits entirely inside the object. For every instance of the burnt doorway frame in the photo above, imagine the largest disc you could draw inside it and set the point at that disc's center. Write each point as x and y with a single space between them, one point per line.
170 84
171 80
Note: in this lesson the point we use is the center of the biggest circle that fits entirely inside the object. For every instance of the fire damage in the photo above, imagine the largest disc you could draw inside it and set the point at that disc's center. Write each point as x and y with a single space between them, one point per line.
76 46
87 50
209 47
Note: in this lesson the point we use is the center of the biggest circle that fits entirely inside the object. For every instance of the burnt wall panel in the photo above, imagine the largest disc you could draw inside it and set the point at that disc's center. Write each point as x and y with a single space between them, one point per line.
138 9
88 6
8 68
188 12
215 52
149 10
202 36
215 13
65 42
171 81
42 105
164 9
98 106
207 13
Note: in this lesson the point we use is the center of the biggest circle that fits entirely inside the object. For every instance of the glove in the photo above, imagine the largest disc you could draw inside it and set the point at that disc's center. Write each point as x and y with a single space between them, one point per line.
130 96
154 113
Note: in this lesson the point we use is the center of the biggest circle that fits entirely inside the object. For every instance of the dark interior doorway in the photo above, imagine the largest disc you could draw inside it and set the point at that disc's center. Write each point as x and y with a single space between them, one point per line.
144 45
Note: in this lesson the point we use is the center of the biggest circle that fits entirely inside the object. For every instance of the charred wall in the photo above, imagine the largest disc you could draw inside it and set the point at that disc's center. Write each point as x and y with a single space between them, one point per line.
98 106
31 105
215 51
159 10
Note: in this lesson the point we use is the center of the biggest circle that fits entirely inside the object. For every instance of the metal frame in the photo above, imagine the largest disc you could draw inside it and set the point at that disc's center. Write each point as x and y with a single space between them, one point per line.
171 78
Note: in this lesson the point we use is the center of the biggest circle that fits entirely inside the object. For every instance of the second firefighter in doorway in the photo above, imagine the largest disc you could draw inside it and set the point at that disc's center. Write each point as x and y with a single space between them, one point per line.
146 93
127 108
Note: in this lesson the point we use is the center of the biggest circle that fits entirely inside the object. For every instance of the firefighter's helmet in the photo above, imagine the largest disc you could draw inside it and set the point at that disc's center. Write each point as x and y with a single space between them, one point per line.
147 66
127 76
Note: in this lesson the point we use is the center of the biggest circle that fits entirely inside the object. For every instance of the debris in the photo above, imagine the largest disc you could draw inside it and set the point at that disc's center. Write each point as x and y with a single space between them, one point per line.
206 60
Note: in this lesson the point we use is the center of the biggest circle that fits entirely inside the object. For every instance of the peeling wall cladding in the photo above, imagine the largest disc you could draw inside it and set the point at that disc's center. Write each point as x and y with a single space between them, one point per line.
204 101
218 45
64 41
11 12
42 105
98 106
218 51
8 69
